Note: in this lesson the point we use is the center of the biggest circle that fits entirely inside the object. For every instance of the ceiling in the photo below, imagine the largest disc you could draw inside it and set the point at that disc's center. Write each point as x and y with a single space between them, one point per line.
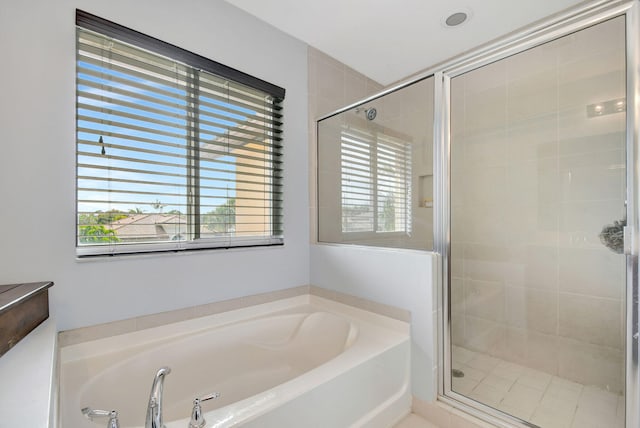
388 40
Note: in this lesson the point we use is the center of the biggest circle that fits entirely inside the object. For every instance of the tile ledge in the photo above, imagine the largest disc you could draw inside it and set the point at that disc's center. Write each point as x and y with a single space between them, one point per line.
113 328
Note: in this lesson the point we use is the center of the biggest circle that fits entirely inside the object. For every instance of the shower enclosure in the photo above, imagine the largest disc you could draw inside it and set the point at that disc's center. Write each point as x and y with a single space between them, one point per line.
533 199
537 167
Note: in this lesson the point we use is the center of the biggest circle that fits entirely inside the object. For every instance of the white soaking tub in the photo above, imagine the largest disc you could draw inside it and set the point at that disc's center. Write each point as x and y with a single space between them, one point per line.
298 362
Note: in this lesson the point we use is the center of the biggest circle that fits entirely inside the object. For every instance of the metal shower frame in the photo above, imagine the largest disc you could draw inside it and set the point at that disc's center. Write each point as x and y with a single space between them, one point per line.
558 26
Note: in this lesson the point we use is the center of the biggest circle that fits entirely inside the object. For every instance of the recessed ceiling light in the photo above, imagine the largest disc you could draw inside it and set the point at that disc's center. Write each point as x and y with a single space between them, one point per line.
456 19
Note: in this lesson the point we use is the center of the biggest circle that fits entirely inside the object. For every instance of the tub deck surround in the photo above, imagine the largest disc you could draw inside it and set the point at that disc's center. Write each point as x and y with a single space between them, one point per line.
283 363
22 308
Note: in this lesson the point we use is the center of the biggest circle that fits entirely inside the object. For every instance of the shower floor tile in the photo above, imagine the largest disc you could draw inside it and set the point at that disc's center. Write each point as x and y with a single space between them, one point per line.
535 396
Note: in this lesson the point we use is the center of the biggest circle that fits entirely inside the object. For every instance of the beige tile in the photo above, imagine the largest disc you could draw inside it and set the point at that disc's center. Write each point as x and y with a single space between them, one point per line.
593 88
595 272
330 77
484 336
538 265
485 78
574 124
532 95
620 413
486 110
99 331
351 300
528 64
507 370
462 420
566 385
598 401
457 295
596 408
533 182
458 335
459 220
486 150
484 363
373 86
591 319
162 318
462 355
591 364
326 104
592 144
463 385
521 401
535 379
532 309
533 139
516 345
497 382
217 307
581 223
415 421
457 261
485 299
487 394
485 185
473 373
487 225
550 419
531 224
485 262
434 413
355 86
560 401
597 176
542 352
593 40
389 311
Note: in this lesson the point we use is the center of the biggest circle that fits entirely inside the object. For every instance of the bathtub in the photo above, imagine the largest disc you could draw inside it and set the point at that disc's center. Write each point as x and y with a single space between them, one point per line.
298 362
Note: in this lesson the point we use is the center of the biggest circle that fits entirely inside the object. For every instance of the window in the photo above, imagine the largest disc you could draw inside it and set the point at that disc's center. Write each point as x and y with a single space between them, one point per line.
174 151
375 182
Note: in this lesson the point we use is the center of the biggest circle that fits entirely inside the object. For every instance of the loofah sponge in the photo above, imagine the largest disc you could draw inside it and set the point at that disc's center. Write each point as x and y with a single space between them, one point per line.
612 236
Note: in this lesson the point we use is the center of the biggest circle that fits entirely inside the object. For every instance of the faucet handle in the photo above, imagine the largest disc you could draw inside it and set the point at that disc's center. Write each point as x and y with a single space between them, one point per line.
90 413
197 420
211 396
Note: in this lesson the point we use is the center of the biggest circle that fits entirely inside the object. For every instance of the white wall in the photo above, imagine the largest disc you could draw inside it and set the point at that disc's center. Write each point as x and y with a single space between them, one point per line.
401 278
37 161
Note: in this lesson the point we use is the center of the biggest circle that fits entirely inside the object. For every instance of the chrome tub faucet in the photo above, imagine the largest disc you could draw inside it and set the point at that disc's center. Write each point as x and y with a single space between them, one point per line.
154 410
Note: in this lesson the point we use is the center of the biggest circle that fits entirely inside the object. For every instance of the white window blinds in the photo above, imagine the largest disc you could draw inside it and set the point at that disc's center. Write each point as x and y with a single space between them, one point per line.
375 181
171 157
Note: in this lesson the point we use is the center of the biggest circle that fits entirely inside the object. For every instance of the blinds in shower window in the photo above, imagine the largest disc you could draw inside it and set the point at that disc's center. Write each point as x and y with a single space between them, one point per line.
171 157
375 182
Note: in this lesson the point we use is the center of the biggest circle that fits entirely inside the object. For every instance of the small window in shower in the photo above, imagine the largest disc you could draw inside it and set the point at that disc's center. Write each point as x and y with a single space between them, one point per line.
370 162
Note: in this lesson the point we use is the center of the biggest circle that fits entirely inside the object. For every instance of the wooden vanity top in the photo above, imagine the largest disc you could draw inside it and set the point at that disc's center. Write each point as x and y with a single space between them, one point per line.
22 308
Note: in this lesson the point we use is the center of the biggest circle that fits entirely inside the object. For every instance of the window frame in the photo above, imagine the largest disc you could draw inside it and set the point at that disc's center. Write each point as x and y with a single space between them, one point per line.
198 63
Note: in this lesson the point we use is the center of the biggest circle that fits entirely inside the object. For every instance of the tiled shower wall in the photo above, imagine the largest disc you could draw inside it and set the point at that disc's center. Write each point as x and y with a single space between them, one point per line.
534 180
406 114
332 85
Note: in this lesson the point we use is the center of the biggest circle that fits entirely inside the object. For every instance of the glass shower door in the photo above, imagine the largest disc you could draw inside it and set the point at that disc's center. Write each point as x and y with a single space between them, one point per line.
537 274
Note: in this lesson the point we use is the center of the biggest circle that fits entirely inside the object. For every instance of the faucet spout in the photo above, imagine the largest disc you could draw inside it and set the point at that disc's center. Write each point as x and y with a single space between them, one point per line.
154 409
